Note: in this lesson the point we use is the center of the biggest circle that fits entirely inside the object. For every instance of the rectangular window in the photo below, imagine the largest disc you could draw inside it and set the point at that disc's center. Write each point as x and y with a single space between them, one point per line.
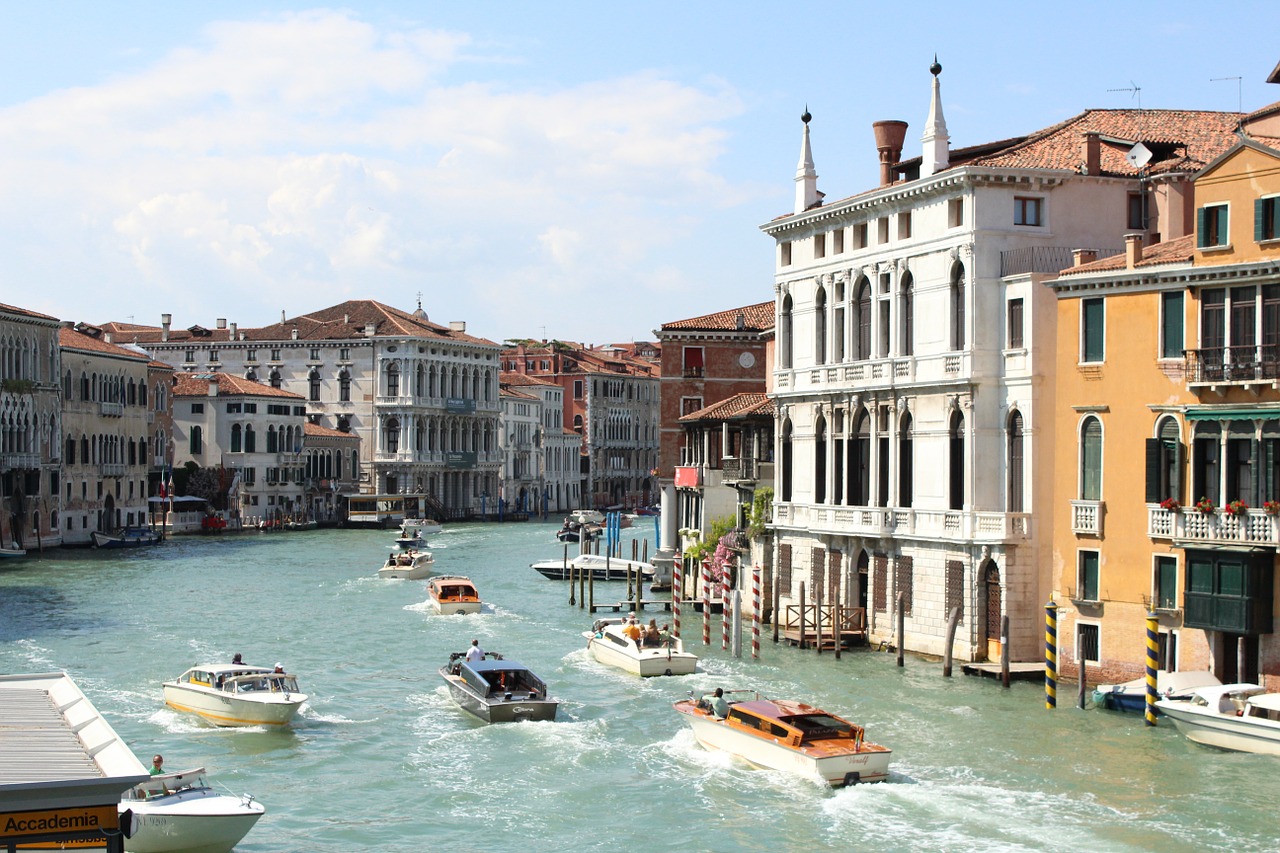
577 389
882 230
1015 324
1165 583
903 582
1087 642
1087 576
315 354
880 583
1092 327
819 246
785 249
250 408
689 405
275 355
1137 212
1211 226
837 241
197 408
1028 211
955 586
955 213
344 354
693 362
233 408
251 355
1171 324
189 356
904 225
1265 226
860 235
213 355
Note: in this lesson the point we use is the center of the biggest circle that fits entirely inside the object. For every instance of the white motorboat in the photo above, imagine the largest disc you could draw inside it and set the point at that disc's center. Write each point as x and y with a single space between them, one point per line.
497 690
420 526
408 565
586 516
181 813
781 734
453 594
407 541
602 568
608 643
1132 695
1243 717
236 695
15 551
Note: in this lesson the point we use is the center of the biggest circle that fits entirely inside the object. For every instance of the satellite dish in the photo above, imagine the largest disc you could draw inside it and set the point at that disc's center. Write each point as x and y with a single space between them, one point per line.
1138 156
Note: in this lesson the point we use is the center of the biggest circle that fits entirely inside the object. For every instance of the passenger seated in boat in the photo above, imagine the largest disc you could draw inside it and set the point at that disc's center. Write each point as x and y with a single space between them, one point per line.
632 631
651 635
664 636
719 705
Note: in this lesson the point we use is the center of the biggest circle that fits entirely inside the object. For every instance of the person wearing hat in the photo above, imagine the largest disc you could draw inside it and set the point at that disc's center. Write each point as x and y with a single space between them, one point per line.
279 668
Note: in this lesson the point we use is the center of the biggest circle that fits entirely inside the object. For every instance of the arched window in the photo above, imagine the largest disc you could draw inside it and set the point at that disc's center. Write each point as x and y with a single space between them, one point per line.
860 460
837 329
1206 460
273 439
237 439
957 307
275 378
391 436
820 461
1091 459
956 461
393 380
907 315
1015 489
250 439
420 380
344 386
785 335
313 382
863 311
820 327
197 440
785 461
906 461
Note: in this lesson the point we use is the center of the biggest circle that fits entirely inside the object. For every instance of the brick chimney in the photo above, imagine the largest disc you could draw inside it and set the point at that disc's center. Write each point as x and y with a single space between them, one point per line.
889 138
1080 257
1091 153
1132 250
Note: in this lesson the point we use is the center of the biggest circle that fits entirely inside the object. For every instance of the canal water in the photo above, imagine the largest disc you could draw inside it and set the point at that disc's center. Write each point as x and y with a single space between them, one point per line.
382 760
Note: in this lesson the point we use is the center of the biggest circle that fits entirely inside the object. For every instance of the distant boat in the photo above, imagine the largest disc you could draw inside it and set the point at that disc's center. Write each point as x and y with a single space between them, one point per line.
608 644
407 565
12 552
1132 695
125 537
602 568
453 594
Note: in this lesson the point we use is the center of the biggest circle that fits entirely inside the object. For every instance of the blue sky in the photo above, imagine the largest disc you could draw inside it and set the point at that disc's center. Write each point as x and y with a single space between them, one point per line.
585 171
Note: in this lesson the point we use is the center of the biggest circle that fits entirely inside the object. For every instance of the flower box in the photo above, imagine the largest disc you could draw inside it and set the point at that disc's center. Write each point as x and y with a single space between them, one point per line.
1206 506
1236 507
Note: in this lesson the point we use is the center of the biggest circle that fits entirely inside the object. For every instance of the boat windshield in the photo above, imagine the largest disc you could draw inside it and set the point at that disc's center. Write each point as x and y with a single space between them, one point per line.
167 783
820 726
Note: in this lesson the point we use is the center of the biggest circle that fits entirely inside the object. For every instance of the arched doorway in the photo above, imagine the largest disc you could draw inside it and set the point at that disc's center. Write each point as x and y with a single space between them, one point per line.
107 520
864 564
991 594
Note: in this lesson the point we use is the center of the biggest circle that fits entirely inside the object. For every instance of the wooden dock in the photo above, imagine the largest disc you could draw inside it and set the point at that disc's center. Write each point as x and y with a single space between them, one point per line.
848 639
628 606
1017 671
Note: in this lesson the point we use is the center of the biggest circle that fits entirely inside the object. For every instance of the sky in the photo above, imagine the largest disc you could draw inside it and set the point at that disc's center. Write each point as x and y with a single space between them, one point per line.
581 171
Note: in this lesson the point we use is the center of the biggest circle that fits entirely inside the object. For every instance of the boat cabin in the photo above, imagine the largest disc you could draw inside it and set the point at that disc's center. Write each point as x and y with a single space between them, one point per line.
164 784
793 723
242 679
454 589
499 679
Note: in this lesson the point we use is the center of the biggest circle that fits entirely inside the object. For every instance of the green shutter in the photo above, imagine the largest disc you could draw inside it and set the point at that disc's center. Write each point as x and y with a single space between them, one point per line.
1201 221
1224 236
1259 219
1153 470
1093 330
1172 338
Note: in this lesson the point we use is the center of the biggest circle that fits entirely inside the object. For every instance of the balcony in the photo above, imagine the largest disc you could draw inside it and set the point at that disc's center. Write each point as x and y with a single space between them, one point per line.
113 469
114 410
1086 517
20 461
1225 366
736 470
883 522
1254 527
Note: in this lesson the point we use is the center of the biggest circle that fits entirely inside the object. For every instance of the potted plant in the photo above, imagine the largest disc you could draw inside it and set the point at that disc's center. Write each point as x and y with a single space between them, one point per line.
1271 507
1236 507
1171 505
1204 505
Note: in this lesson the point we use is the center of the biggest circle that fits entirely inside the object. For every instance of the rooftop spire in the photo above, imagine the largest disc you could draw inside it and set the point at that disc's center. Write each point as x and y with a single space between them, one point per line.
937 150
807 194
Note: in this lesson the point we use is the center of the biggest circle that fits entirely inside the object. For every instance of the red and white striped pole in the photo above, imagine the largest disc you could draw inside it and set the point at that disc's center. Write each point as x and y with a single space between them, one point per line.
706 604
677 587
726 614
755 612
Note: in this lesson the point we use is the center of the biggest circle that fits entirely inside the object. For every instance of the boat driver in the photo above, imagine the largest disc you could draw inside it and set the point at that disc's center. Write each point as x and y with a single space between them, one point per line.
719 704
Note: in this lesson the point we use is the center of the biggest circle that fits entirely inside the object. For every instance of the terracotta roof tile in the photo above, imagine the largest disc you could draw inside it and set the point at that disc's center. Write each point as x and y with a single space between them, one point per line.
309 428
1179 250
510 377
756 318
13 309
737 406
73 339
197 385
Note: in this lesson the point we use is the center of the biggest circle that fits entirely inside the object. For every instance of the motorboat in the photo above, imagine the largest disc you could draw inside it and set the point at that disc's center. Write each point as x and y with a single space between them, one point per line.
236 694
601 568
781 734
575 532
125 537
453 594
420 526
497 690
409 565
409 540
1242 717
586 516
608 643
181 813
12 552
1132 695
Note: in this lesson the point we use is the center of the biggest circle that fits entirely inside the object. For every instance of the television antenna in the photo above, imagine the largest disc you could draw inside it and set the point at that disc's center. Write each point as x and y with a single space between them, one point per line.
1239 90
1132 87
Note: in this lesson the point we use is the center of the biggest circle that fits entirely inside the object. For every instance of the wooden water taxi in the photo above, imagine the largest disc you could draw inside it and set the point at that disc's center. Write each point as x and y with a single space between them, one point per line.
781 734
453 594
236 694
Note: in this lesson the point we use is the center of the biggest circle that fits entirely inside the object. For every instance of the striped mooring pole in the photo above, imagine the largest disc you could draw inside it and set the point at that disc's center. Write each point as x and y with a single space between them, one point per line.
726 615
1051 655
755 612
1153 652
706 605
677 586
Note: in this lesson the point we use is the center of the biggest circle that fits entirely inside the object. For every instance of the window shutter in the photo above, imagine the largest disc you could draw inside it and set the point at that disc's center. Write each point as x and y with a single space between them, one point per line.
1179 454
1224 238
1153 470
1201 219
1259 212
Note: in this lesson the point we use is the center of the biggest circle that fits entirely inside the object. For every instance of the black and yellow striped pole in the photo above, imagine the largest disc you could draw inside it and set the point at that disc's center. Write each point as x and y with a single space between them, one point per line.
1051 655
1153 652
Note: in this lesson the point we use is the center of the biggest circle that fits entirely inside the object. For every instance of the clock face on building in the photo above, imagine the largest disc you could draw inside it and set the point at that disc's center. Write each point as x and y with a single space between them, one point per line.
746 359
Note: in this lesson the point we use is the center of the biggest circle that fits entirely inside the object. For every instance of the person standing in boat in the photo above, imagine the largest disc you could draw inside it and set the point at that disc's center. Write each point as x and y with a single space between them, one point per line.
475 653
237 660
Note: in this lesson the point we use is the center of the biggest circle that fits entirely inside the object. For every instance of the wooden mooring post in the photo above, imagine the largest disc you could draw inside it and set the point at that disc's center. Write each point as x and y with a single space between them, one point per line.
952 622
802 614
1004 651
902 627
777 604
817 617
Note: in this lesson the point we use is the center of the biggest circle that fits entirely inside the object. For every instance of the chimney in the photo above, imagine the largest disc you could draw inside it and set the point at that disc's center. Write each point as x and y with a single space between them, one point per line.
1132 250
889 138
1091 153
346 318
295 333
369 329
233 331
165 320
213 385
107 337
282 316
457 325
1080 257
222 322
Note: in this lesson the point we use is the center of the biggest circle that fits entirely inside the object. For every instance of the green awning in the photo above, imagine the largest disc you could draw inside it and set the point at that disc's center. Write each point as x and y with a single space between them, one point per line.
1253 413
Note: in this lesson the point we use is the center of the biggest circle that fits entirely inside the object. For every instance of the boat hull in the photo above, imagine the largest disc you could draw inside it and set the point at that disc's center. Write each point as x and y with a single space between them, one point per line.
132 540
416 570
498 710
601 570
459 608
224 709
866 765
645 662
185 829
1240 734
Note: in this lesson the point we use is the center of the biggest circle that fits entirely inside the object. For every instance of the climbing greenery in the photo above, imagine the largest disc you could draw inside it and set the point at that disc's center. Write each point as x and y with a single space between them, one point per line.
707 545
761 512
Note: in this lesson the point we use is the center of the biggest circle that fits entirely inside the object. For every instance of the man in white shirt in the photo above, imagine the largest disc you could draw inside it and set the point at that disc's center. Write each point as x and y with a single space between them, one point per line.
475 653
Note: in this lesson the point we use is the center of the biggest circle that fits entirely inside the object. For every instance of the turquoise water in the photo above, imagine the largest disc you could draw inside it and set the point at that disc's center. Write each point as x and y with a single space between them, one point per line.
381 759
